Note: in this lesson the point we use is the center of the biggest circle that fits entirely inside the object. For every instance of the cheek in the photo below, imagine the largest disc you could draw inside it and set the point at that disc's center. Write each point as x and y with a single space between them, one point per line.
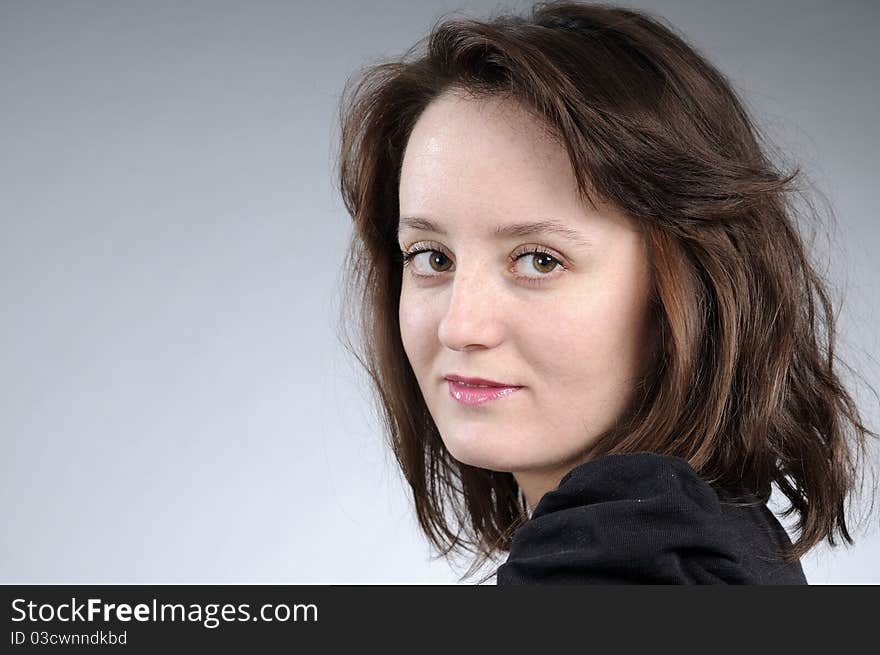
417 328
595 338
571 346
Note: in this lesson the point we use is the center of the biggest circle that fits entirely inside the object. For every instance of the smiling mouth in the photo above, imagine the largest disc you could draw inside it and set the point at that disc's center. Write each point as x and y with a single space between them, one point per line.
468 394
476 382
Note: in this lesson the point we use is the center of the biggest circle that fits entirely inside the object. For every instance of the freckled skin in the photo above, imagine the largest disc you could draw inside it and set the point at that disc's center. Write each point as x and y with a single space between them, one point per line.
575 342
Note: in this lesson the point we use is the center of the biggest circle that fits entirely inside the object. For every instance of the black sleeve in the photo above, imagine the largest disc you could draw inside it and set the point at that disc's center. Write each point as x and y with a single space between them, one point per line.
638 518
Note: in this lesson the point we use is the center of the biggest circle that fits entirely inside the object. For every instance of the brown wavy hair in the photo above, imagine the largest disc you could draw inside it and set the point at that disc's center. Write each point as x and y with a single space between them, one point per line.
744 386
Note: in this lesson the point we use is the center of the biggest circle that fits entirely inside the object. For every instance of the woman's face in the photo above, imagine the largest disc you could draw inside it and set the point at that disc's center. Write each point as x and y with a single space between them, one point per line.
569 328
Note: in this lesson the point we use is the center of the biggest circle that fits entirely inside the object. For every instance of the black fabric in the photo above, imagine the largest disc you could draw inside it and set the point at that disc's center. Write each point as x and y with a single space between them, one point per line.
643 518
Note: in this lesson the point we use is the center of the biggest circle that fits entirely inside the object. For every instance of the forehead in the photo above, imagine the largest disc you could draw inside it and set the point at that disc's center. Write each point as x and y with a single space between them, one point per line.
462 145
496 120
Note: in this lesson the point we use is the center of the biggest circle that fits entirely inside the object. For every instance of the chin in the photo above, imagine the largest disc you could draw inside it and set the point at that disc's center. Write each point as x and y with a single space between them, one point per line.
486 456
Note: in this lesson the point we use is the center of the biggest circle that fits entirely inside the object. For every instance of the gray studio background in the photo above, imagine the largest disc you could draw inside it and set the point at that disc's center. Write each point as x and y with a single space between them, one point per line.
174 404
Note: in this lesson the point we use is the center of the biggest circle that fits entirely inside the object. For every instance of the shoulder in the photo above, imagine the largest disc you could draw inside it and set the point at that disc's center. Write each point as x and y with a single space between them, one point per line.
646 518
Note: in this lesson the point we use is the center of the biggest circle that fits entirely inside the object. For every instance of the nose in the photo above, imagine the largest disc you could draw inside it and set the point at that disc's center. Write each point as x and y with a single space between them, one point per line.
473 317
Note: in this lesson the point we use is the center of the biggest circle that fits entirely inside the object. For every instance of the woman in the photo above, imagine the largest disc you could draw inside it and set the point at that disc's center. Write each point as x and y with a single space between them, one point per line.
590 321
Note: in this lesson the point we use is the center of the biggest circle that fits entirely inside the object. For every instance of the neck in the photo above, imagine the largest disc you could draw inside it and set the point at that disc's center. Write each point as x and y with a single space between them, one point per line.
536 483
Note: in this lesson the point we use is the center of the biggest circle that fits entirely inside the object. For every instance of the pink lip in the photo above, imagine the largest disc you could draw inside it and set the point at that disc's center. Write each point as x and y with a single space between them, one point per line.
482 381
477 396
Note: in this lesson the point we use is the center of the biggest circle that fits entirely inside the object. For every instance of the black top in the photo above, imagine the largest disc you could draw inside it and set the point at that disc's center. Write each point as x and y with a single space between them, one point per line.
643 518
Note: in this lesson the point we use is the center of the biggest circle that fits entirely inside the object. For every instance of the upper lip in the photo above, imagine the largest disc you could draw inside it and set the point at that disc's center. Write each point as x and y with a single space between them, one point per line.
467 380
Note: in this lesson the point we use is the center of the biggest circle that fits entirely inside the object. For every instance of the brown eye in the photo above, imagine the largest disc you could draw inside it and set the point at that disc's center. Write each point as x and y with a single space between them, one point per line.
438 260
544 263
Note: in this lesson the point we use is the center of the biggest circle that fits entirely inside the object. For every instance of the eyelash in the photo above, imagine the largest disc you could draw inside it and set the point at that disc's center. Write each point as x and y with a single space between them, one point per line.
419 248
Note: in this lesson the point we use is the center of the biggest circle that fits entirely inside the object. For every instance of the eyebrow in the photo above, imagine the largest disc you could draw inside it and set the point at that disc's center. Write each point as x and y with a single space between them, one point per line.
506 231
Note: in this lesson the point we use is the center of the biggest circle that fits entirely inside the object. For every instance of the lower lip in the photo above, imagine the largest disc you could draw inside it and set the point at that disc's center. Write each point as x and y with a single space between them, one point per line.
478 395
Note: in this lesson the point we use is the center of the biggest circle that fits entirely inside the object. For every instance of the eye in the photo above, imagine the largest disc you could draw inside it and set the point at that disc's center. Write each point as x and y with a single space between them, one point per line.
542 261
435 260
429 260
